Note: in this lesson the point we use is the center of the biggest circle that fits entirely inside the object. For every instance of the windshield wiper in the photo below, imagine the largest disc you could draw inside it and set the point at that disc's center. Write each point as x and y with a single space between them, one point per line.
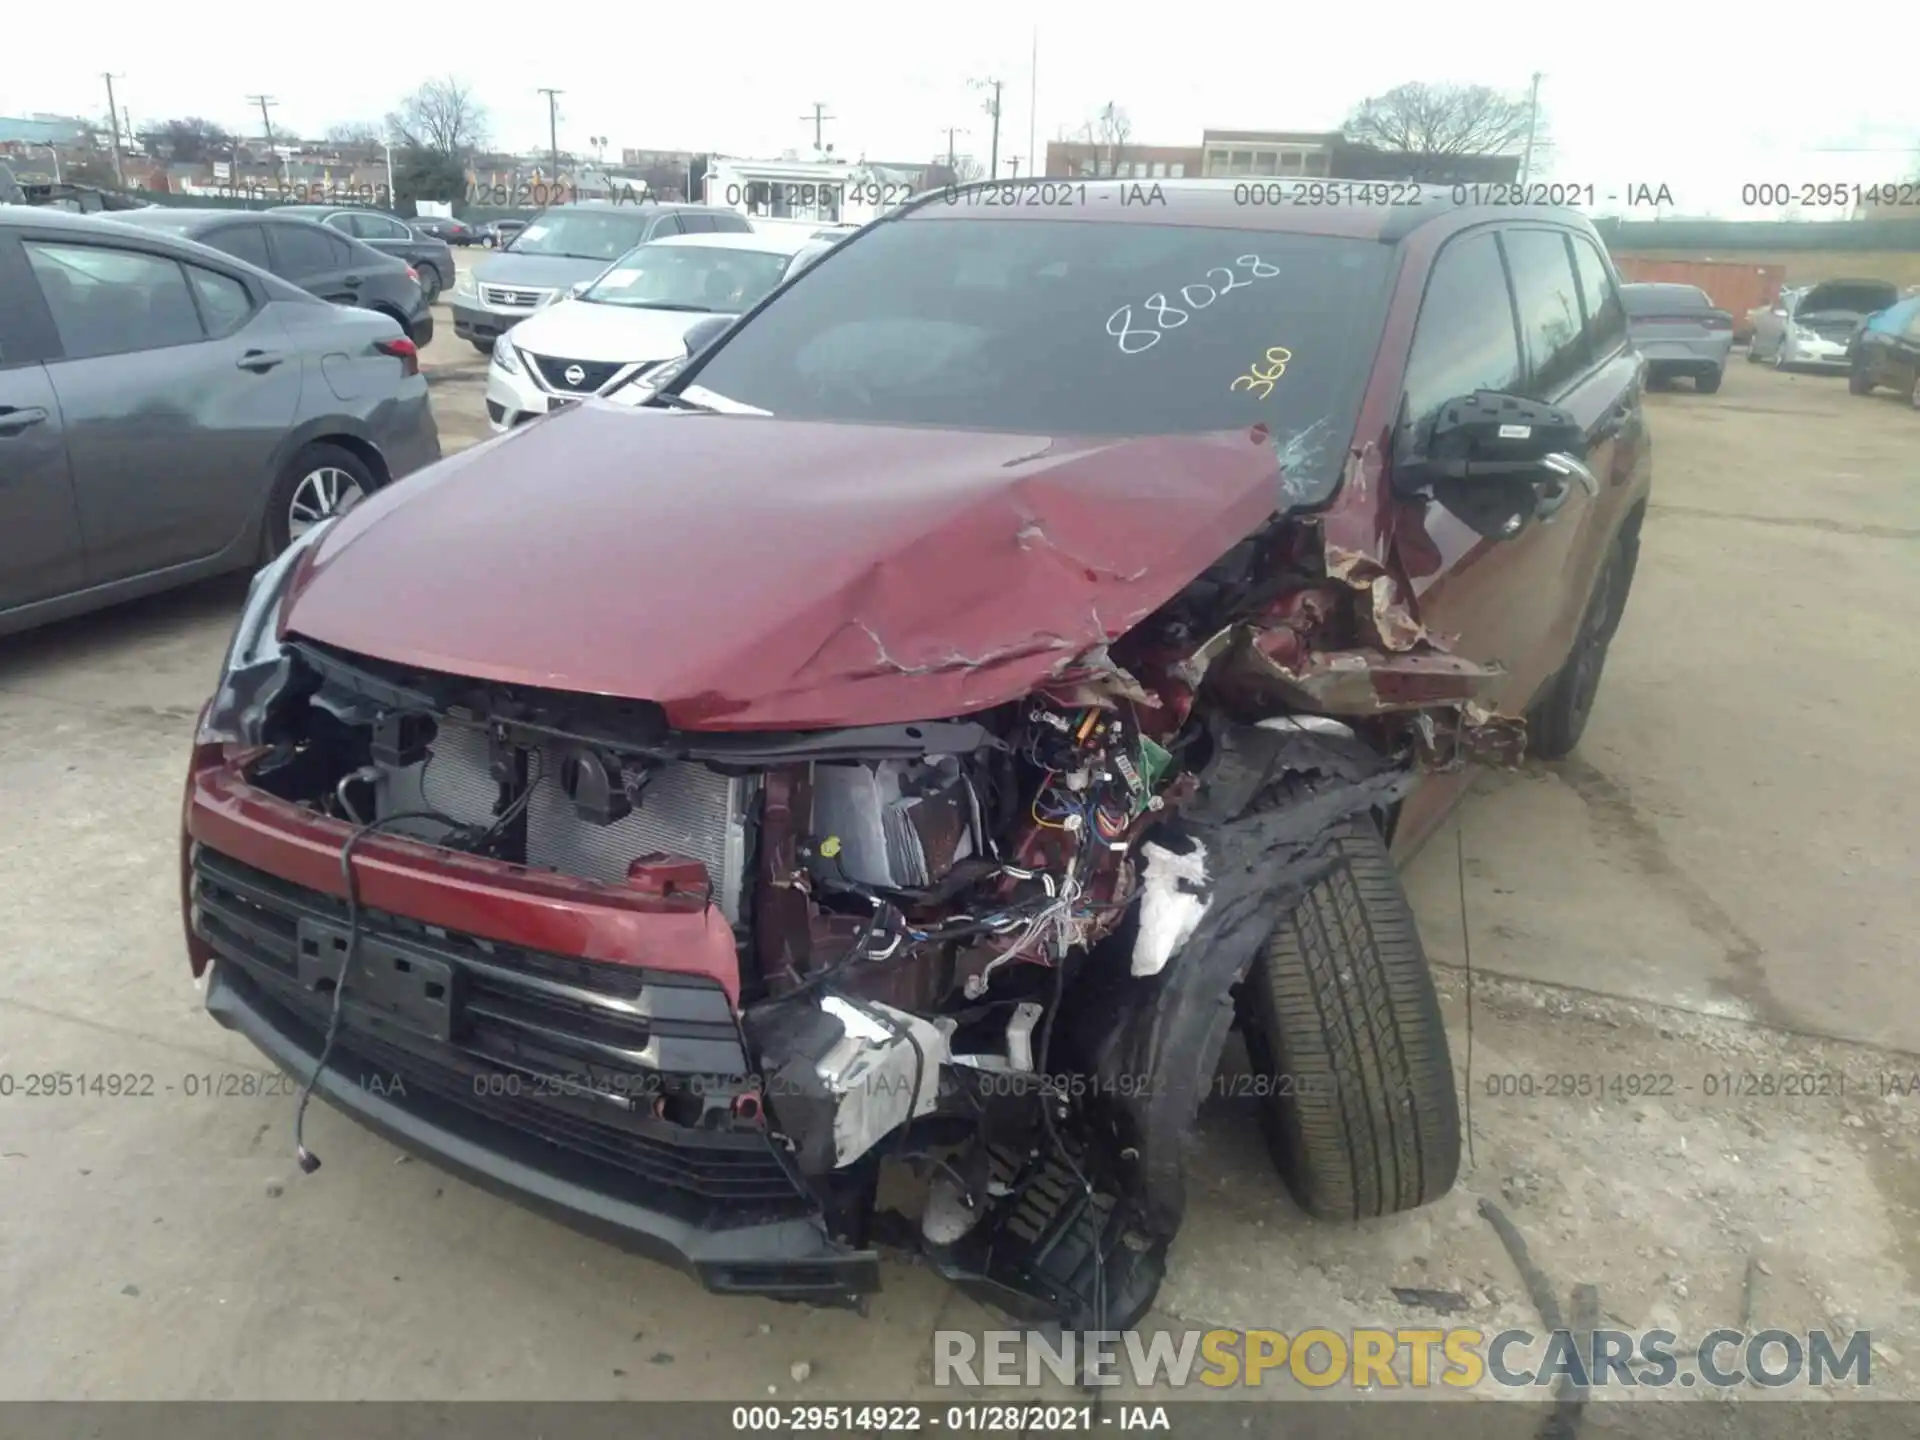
671 305
678 402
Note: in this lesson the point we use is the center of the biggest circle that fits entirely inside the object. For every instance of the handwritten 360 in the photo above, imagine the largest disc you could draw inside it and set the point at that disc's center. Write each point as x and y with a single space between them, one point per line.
1167 316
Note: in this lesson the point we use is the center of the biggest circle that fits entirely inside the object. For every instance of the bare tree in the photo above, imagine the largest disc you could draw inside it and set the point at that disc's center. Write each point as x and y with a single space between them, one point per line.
1422 119
964 168
665 182
1107 135
357 135
441 117
190 141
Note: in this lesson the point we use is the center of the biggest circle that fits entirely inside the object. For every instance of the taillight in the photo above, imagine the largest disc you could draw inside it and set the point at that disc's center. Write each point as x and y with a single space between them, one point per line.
413 275
405 351
1718 320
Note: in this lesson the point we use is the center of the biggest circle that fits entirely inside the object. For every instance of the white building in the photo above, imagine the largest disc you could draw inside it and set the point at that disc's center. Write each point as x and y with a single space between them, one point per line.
813 192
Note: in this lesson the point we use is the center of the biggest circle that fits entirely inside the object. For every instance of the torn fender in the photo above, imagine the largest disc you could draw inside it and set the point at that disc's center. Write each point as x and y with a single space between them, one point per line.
1261 855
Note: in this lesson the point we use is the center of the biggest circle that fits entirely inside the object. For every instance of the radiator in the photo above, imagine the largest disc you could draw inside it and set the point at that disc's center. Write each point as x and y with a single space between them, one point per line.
685 809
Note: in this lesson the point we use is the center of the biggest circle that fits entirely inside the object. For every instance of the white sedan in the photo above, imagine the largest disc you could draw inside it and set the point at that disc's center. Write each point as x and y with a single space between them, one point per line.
633 317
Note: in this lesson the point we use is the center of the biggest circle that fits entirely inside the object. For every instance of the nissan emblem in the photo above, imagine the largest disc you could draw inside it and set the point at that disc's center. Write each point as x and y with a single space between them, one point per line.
573 375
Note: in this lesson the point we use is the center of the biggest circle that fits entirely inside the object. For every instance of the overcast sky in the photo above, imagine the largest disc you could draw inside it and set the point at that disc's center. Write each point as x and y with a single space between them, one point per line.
1634 93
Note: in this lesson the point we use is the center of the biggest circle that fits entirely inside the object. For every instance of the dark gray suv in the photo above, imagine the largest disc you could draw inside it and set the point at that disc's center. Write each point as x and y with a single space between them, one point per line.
168 412
564 246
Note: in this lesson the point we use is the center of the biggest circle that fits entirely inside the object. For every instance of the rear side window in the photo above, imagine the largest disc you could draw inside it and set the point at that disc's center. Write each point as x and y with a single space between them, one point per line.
243 242
1548 301
696 224
731 223
1606 328
664 226
1058 327
224 302
107 301
1464 340
301 252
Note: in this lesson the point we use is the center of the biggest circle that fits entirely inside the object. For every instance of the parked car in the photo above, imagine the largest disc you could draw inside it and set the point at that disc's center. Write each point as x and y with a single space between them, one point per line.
445 227
1886 351
168 413
1811 326
1681 332
496 233
560 247
1008 650
429 255
603 333
318 258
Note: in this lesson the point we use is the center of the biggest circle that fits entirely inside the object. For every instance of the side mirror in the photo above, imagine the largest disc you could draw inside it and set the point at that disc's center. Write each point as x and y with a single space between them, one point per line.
1486 457
578 288
704 331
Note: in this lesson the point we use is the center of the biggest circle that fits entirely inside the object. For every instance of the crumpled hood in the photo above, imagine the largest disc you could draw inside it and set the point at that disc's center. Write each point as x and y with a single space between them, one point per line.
758 574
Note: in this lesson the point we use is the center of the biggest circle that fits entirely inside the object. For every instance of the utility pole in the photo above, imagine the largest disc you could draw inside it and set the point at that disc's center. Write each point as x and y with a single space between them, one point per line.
953 130
1033 98
1014 160
993 109
113 126
1533 115
553 130
819 118
263 101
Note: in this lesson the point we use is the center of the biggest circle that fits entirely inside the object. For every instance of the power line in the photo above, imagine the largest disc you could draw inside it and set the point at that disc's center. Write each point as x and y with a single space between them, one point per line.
553 128
263 101
993 109
819 118
113 127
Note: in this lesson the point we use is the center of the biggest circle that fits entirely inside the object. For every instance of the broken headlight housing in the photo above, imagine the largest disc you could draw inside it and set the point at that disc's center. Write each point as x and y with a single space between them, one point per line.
255 667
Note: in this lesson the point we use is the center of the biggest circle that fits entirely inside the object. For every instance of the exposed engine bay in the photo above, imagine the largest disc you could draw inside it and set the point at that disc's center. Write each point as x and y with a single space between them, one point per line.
997 948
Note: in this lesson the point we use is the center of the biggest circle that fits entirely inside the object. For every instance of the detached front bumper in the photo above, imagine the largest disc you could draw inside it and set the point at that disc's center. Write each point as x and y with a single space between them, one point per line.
537 1034
789 1259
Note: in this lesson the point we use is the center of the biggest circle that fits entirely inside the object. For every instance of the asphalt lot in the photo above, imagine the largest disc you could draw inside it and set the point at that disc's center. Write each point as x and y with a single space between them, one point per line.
1720 882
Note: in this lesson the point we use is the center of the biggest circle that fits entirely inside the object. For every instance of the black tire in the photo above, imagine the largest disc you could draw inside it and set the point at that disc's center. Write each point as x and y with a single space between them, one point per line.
1342 1005
1859 382
310 461
1659 380
485 347
1559 717
430 286
1753 352
1709 384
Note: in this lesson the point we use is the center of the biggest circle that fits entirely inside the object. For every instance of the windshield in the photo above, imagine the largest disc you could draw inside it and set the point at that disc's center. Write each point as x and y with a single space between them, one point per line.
582 234
689 277
1055 327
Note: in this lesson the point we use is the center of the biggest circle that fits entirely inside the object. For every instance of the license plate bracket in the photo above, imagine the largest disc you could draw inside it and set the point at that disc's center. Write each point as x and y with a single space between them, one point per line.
561 402
392 980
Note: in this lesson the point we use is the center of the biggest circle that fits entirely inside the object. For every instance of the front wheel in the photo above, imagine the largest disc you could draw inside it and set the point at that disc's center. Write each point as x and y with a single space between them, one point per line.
1708 384
322 481
485 347
1858 381
430 286
1345 1033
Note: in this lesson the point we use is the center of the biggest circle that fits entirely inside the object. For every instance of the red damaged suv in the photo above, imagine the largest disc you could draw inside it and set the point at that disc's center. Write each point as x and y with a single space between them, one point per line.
914 730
